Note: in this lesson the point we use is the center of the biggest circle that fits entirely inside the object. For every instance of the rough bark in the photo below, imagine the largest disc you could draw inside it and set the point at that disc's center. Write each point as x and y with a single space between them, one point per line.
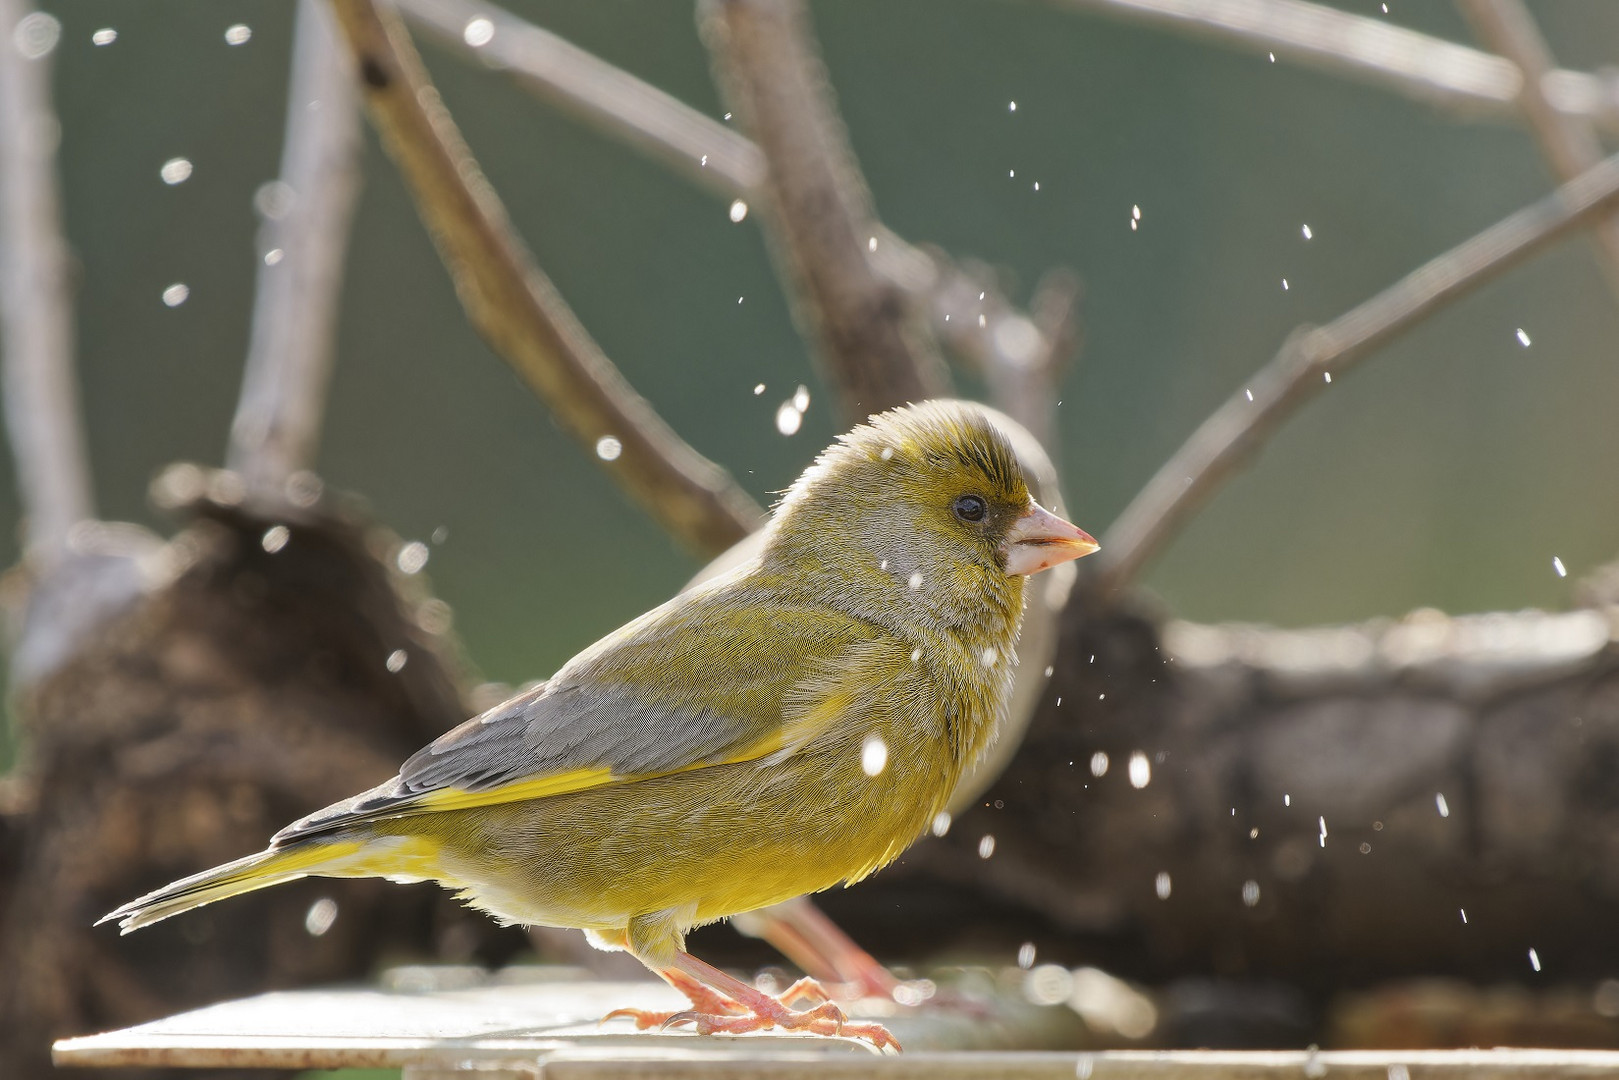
249 689
1512 718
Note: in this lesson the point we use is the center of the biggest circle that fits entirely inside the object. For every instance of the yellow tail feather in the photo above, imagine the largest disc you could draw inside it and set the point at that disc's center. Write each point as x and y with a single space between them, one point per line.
259 871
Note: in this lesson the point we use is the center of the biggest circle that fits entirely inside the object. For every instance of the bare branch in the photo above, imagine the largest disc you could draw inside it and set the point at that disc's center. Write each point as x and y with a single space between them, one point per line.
36 320
819 211
700 149
1311 358
1428 69
517 309
1569 143
300 278
726 164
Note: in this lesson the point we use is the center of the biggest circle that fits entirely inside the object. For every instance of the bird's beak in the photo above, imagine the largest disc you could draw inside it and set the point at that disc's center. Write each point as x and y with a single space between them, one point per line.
1040 540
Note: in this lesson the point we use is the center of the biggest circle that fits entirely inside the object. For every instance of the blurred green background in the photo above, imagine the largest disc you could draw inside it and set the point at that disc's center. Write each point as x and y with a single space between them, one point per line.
1448 472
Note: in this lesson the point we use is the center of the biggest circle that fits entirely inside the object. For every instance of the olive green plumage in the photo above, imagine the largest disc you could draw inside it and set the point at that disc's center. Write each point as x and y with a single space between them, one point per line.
717 754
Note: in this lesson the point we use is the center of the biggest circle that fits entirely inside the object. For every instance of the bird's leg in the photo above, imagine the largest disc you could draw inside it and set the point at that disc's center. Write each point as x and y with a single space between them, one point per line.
803 933
703 1000
760 1010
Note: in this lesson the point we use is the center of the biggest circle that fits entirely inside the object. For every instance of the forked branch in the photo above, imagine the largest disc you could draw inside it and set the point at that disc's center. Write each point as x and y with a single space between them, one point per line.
517 309
1311 358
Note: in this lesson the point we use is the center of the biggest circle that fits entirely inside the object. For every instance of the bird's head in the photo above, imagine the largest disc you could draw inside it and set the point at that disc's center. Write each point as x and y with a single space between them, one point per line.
923 509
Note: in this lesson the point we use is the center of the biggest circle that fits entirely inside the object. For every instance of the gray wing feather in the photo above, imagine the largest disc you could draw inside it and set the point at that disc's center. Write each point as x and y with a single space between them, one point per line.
553 728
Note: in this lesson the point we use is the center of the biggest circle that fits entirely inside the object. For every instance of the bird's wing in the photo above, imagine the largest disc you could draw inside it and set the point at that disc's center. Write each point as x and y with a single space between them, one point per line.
693 684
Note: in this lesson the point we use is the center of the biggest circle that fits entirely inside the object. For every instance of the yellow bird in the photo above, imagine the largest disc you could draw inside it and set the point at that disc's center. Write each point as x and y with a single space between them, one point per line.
789 725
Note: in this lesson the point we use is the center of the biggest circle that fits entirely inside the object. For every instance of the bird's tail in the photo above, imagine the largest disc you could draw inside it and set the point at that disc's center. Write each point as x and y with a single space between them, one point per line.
271 867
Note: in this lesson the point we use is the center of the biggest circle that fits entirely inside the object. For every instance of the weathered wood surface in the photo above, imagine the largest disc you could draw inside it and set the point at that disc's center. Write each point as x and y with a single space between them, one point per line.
548 1030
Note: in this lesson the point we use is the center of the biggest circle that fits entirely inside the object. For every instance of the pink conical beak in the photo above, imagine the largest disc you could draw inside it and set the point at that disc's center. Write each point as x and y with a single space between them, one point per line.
1040 540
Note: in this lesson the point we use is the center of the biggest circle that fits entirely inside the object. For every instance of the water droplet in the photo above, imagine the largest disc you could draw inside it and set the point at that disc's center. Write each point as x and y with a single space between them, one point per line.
175 171
273 199
915 580
1326 377
479 32
1049 670
320 917
1037 185
703 161
412 557
916 655
1523 337
1253 834
871 245
1399 1072
608 448
986 846
105 36
1135 213
1365 848
275 538
36 35
759 389
176 294
1011 106
1140 770
1250 394
873 755
1464 915
982 322
1287 800
1099 764
441 534
1250 892
989 656
941 823
238 34
788 419
739 210
1534 959
1273 58
887 454
1162 885
273 256
1557 564
1441 805
1323 822
396 661
1307 233
1011 173
1025 955
801 399
1284 284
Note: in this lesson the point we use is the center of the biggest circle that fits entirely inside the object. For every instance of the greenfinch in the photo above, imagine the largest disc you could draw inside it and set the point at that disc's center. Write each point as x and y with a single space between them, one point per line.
787 726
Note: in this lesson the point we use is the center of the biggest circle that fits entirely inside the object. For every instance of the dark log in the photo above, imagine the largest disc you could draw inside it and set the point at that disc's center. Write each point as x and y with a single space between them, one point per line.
249 689
1252 738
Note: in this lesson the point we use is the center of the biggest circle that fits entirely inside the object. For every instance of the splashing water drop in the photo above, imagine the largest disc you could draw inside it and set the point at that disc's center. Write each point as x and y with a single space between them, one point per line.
608 448
986 846
1162 885
1534 959
1557 564
1250 893
941 823
739 210
175 171
105 36
238 34
1099 764
396 661
478 32
412 557
1025 955
758 389
915 580
1140 770
1523 337
788 419
275 538
1307 233
801 399
176 294
873 755
320 917
1441 805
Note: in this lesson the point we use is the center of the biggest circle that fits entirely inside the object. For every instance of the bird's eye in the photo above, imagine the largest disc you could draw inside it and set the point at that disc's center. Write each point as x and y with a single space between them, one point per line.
970 508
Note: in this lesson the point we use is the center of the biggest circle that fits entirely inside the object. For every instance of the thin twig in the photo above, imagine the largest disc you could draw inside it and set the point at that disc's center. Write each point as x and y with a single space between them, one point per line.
1428 69
36 322
301 250
818 210
723 162
517 309
1569 143
1310 359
